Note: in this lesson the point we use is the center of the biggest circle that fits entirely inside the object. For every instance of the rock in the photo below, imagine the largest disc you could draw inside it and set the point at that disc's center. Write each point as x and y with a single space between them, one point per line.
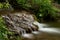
20 22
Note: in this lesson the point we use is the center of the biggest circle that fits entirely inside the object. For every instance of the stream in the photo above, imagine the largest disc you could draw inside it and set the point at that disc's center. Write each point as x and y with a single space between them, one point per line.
47 31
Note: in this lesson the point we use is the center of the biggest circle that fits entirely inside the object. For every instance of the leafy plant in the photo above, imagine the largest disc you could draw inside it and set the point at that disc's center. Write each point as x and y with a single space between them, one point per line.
3 30
5 34
42 8
4 5
1 5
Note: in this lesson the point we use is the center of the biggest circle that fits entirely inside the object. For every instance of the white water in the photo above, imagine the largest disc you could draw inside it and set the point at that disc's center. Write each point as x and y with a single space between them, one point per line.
45 28
29 36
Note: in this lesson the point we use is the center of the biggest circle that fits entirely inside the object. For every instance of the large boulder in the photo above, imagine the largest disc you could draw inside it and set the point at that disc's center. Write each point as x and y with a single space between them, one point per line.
21 22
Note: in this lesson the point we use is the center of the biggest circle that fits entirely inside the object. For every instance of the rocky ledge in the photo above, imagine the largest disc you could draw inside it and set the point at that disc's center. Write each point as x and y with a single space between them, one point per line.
20 22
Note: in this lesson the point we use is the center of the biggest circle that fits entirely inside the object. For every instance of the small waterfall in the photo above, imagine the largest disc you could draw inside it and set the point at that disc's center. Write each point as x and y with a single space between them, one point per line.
40 25
46 28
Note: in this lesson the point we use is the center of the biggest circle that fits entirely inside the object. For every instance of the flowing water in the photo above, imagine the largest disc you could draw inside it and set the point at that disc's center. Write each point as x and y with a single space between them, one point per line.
47 31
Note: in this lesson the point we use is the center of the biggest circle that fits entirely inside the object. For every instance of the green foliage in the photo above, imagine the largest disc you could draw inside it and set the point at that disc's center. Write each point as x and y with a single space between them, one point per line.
4 32
42 8
1 5
4 5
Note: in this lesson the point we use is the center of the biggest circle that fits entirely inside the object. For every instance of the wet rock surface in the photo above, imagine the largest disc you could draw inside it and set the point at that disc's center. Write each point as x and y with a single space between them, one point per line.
20 22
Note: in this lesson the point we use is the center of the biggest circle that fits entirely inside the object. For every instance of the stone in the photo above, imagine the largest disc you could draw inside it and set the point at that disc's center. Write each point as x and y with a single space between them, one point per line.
20 22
